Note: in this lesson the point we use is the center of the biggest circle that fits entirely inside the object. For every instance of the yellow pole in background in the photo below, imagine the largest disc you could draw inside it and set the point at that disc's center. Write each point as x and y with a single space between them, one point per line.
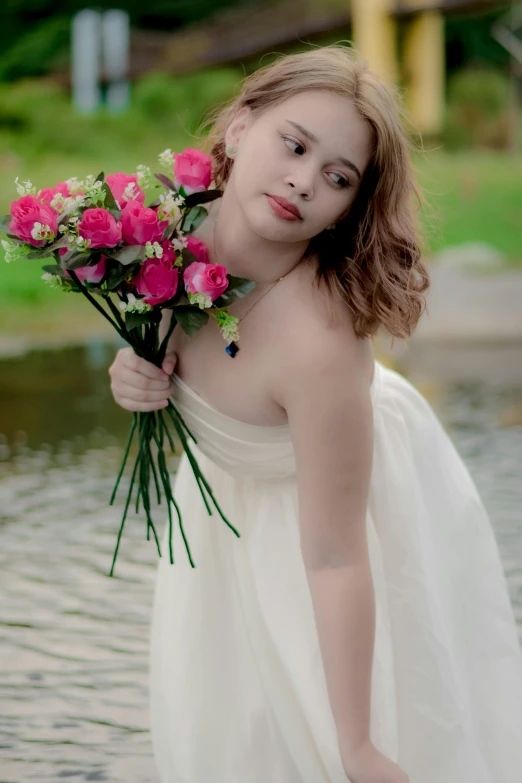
424 70
374 34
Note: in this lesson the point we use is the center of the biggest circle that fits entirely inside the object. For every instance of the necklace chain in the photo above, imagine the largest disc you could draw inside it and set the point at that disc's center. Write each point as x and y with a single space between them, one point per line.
257 300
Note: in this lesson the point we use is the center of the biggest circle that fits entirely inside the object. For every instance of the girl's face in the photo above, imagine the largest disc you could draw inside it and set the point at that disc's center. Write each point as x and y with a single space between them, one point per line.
311 149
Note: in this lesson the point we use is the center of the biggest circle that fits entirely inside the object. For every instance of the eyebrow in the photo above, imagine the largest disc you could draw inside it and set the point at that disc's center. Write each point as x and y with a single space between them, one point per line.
310 135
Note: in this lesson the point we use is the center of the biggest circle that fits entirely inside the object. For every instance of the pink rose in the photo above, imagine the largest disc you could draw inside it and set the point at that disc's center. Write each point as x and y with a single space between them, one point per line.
91 274
47 194
207 279
139 224
169 254
27 211
118 182
198 248
156 281
193 170
100 227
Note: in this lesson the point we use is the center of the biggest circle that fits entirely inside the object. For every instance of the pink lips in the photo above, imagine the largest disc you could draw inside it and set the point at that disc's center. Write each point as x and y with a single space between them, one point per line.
284 208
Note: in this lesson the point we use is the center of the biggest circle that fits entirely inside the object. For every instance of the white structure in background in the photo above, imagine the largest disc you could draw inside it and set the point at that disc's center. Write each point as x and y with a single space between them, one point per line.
116 41
100 44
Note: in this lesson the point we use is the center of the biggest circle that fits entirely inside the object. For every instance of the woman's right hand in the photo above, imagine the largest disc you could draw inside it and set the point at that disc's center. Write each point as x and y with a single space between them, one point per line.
366 764
138 385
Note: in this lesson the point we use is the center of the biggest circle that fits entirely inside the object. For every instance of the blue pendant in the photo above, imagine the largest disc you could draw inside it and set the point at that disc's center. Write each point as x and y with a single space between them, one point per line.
232 349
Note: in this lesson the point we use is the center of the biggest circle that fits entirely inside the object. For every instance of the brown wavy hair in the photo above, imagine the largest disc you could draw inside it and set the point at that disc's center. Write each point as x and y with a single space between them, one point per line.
372 259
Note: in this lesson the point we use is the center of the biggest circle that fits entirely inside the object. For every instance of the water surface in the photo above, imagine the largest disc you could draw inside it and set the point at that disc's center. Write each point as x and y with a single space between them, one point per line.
74 642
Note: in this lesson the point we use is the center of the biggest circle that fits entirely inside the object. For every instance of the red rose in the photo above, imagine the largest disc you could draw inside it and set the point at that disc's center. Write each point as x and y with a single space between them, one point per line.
100 227
156 281
193 170
27 211
139 224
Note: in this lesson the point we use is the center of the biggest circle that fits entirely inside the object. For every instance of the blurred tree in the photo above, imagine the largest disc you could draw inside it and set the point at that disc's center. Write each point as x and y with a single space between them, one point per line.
34 34
469 41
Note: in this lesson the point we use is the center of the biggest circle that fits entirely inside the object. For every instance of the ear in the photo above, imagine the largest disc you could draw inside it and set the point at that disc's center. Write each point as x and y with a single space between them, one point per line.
238 126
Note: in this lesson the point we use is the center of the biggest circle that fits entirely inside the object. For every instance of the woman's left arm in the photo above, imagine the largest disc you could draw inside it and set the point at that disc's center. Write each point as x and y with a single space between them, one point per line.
327 399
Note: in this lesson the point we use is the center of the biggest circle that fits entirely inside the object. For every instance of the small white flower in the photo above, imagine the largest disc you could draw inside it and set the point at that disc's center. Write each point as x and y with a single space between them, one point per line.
230 332
169 209
53 280
200 299
58 202
144 176
179 242
129 192
15 251
40 231
134 305
74 184
82 243
26 188
153 249
166 158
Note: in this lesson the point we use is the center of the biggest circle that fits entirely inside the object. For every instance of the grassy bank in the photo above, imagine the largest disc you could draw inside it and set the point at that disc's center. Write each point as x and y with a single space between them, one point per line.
472 196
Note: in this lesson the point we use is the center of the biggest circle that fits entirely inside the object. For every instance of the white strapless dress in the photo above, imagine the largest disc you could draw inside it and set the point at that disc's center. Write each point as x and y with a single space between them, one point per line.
237 686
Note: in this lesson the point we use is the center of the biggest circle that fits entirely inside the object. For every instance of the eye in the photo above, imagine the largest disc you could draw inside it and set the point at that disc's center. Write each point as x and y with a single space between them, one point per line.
342 182
292 141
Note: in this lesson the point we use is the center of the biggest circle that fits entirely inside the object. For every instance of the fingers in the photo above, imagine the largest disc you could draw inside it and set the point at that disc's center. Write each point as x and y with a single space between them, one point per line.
142 407
135 380
132 361
169 362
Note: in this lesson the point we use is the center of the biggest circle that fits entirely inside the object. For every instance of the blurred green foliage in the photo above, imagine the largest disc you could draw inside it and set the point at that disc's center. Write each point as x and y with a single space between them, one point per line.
37 116
478 109
35 34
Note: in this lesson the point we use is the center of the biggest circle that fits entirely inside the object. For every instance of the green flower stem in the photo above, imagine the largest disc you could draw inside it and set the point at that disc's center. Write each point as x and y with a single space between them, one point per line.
171 498
167 433
124 515
165 479
200 477
164 344
169 495
192 460
126 333
93 301
127 449
171 408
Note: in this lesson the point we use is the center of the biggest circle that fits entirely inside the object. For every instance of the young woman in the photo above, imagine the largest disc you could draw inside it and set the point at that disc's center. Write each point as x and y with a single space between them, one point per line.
360 628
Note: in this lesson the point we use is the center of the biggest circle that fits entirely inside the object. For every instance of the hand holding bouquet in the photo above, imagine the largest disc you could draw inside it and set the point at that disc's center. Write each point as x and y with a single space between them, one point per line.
131 262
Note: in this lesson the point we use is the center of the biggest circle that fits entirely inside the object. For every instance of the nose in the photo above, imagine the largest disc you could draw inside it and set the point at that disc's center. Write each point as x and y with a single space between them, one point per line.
302 181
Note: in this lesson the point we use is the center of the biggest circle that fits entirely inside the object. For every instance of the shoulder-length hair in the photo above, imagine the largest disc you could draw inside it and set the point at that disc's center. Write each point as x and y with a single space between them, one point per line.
372 259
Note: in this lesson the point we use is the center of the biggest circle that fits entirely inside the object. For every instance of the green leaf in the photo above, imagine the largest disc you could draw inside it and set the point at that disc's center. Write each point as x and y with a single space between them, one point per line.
166 182
237 288
100 177
202 197
62 242
116 275
79 258
54 269
129 253
168 231
190 318
193 218
188 258
110 202
38 254
133 320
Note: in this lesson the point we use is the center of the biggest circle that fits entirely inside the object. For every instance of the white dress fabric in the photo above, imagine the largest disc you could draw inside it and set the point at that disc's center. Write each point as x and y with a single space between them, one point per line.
237 685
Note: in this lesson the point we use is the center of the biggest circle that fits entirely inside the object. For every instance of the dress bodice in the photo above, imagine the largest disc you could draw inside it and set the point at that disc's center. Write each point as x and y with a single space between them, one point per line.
242 449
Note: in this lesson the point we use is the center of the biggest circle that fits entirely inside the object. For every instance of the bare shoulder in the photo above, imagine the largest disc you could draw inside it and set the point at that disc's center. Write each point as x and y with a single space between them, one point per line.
319 343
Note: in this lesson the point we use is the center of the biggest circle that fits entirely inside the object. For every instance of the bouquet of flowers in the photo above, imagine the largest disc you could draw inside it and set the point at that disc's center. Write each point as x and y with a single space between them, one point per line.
132 261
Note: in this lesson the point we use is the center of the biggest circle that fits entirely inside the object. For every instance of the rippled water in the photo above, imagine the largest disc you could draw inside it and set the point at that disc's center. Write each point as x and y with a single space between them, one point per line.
74 642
